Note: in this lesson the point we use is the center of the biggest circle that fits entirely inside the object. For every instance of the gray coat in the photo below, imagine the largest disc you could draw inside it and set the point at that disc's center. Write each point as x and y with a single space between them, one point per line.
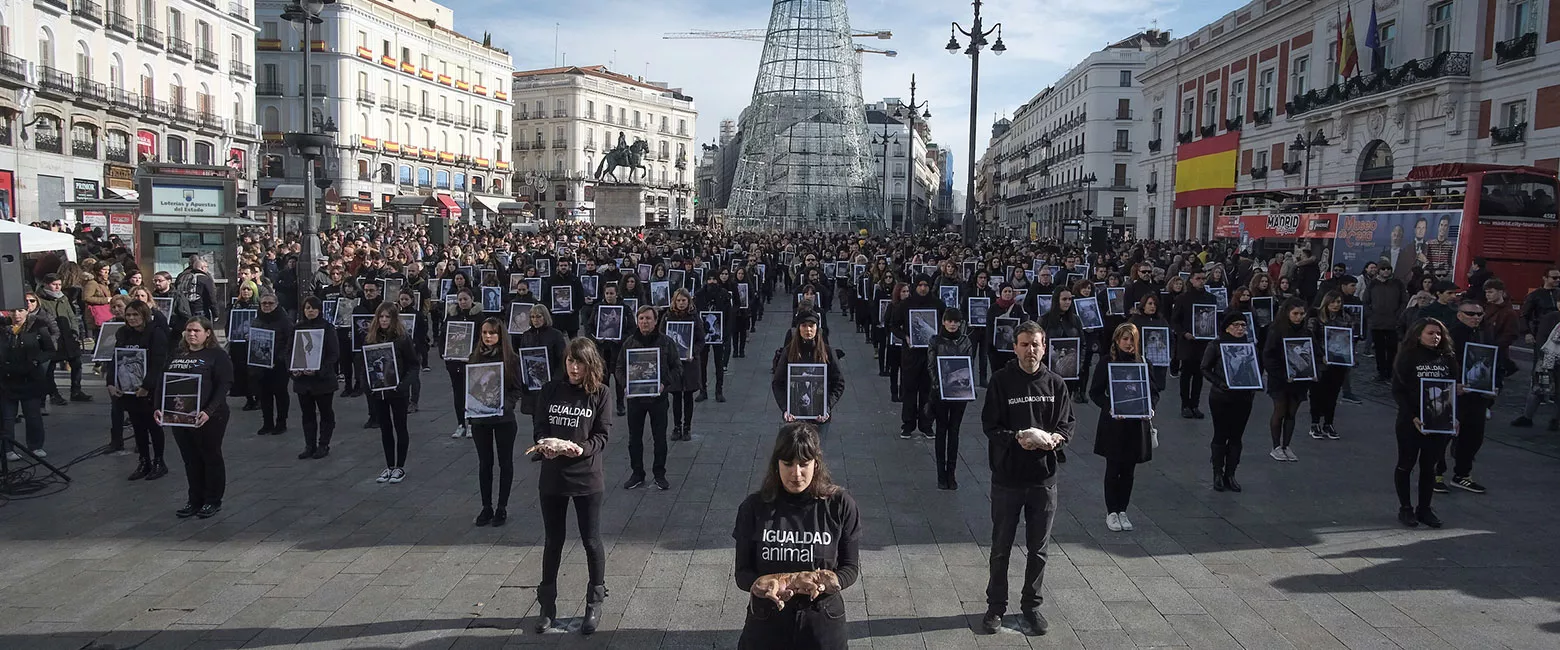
1386 300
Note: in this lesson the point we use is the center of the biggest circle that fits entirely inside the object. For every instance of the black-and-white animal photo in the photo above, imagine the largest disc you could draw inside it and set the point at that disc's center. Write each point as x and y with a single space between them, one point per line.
1438 406
1116 301
1205 322
681 333
360 323
609 323
660 294
307 350
1222 296
1262 311
180 399
714 327
262 347
485 390
1004 335
922 326
1240 366
492 299
1338 344
459 337
1089 313
949 293
380 366
562 300
644 372
1156 346
519 317
238 325
1480 367
591 284
1065 357
535 367
129 369
979 311
955 379
1129 390
1299 359
807 390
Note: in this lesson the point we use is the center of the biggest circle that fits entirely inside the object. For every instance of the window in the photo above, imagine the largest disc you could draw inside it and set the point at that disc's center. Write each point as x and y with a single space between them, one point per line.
682 127
1119 179
1126 78
1439 37
1237 98
1522 21
175 146
1260 159
1188 113
590 110
1265 89
386 49
1123 109
1123 139
268 30
1118 207
1158 123
1387 36
404 175
1211 109
236 48
406 55
362 39
1332 61
1514 112
1299 75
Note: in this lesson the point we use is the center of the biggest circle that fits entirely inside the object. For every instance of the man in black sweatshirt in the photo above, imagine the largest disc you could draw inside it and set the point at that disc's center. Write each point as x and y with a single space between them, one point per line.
1027 418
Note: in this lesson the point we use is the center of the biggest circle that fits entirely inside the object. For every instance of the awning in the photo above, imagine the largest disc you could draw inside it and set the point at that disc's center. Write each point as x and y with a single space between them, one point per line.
411 203
514 208
291 191
489 203
38 240
119 193
447 202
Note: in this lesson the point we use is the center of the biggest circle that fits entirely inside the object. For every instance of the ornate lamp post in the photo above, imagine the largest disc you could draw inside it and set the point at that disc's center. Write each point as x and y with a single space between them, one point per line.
316 140
910 111
977 35
885 139
1302 144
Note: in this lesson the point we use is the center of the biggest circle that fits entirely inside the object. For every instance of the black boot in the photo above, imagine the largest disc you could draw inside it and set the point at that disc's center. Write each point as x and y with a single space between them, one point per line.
1229 481
702 396
141 469
159 470
720 386
547 601
280 428
251 404
1218 480
593 600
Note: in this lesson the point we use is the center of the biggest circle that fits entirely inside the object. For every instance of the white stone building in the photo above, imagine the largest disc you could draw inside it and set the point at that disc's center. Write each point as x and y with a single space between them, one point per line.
418 109
87 91
889 125
567 118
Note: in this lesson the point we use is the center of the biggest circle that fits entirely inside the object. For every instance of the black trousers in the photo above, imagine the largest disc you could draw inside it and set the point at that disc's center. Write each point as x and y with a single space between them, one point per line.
495 440
682 409
818 625
389 408
204 468
915 388
638 409
1324 394
1470 436
319 418
1386 342
947 416
345 362
587 513
31 409
149 440
1414 448
1119 476
1230 415
1037 505
274 400
722 356
1191 387
458 386
116 423
980 336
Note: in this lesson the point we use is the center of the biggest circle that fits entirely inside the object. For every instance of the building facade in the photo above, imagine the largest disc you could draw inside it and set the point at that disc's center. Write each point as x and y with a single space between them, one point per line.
417 108
905 163
88 91
1452 81
566 119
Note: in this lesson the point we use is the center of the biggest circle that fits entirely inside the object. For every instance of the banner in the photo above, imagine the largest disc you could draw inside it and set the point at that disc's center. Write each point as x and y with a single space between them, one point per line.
1426 238
1260 226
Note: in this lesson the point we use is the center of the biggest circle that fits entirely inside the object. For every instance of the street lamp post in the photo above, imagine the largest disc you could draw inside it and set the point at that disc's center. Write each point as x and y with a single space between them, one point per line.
911 109
884 139
1302 144
977 35
310 144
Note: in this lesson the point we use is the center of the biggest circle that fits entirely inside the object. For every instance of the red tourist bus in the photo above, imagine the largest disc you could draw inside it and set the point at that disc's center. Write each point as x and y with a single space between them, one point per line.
1437 220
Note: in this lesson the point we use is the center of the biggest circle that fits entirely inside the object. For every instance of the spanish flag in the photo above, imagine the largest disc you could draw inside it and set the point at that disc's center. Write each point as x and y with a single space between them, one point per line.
1205 170
1348 52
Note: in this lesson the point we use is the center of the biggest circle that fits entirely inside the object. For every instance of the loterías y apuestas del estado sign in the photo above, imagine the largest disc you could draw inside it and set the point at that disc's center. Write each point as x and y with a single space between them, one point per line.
187 201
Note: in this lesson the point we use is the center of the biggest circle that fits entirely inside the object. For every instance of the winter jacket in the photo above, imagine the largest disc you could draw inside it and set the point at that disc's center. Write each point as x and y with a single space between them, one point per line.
156 342
671 369
1125 440
806 353
1212 367
24 361
947 345
1386 299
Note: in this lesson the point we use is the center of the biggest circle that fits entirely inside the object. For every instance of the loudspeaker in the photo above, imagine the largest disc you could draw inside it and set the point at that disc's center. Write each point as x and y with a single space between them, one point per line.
1099 239
11 271
438 231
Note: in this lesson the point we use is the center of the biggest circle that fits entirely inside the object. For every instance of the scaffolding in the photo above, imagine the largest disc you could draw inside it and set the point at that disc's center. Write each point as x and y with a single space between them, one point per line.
805 162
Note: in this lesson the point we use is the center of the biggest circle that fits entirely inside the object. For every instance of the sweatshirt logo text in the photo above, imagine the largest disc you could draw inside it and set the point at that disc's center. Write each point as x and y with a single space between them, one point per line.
1029 399
565 415
792 545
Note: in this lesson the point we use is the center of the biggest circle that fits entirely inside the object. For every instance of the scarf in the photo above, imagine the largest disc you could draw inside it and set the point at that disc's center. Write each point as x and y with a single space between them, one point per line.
1004 304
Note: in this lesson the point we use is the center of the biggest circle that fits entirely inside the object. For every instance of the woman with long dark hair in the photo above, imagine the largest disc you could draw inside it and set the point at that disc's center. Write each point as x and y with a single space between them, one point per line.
1426 353
1150 314
201 445
795 598
1062 323
806 345
316 389
238 351
140 331
495 436
390 405
682 310
466 311
1287 395
947 415
1007 305
570 428
1331 376
1123 442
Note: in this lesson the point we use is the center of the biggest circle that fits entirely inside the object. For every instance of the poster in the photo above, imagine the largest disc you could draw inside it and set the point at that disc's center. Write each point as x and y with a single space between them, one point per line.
644 372
129 369
1479 368
485 389
949 295
922 326
609 323
492 299
714 327
262 347
955 379
1240 366
1437 406
308 349
360 323
1065 358
681 334
180 399
1426 238
535 367
807 391
1299 359
1129 391
1156 346
104 349
563 300
979 310
1089 313
1116 301
459 337
1005 334
1205 322
1338 345
380 365
660 294
238 325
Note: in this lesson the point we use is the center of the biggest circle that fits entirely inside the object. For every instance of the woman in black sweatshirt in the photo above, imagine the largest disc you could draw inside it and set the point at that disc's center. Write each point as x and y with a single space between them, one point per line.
390 405
201 445
316 388
806 345
798 542
1426 353
948 414
141 332
1124 443
573 411
495 435
269 385
1289 323
1231 408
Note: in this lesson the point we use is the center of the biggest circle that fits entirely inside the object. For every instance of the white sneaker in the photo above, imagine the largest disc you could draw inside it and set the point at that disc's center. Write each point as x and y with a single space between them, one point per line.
1113 522
468 431
383 476
460 430
1126 524
13 456
1290 456
40 453
397 474
1279 455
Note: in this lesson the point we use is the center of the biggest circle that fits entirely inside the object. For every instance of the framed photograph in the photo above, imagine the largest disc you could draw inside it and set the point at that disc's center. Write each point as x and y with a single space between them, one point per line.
563 300
1099 289
1356 318
1262 311
328 310
922 327
1205 322
883 312
379 363
164 305
262 347
515 280
1042 303
1089 313
1240 366
1251 332
955 379
543 267
469 271
742 295
1156 346
1116 301
1479 367
1081 270
969 269
408 323
1066 357
857 272
1130 396
1438 406
609 323
459 337
1338 344
762 271
643 270
504 258
1222 297
681 333
660 294
129 369
829 270
344 309
485 388
677 277
1299 359
360 323
1073 278
1005 334
180 399
591 284
949 295
630 307
807 390
535 367
714 327
534 285
447 286
307 350
238 325
492 299
392 288
644 372
978 311
519 317
103 350
489 277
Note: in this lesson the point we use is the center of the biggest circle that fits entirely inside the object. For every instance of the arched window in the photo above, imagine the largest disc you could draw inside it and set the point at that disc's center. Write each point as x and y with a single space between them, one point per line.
460 181
116 147
476 183
83 140
46 134
424 177
272 120
45 47
442 180
386 173
175 146
116 72
405 176
203 153
444 140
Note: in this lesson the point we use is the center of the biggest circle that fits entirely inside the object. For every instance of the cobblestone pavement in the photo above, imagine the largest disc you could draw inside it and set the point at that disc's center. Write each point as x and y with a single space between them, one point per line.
315 554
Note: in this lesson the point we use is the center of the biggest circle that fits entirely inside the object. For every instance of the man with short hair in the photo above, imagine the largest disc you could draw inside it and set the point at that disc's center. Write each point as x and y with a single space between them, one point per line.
1388 299
1027 419
198 289
1471 407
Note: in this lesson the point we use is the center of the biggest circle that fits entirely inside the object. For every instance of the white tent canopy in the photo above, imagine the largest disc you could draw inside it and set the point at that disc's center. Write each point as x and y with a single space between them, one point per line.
38 240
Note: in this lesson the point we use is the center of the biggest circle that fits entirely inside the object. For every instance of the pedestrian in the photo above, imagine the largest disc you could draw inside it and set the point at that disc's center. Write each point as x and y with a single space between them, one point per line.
1124 442
316 389
692 375
140 332
238 350
948 415
980 335
914 385
893 347
714 297
466 311
1472 407
201 445
269 385
608 345
26 349
54 305
367 305
1189 349
1231 408
1007 305
1287 394
1027 419
573 413
798 546
494 436
654 407
1325 391
541 335
1061 322
1386 299
1426 353
804 344
389 404
406 303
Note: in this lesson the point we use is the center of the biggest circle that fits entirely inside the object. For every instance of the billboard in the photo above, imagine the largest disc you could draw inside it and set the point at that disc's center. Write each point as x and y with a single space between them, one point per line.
1419 238
186 201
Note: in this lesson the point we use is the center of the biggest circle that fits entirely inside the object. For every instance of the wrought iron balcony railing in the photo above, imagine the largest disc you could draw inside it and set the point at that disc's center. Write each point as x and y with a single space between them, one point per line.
1440 66
1517 49
1508 134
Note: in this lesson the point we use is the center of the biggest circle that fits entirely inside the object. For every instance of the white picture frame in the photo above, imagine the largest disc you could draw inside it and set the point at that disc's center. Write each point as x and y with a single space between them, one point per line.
955 379
1043 303
807 391
1438 406
1088 308
163 304
660 294
180 399
1221 297
1004 333
484 388
922 326
1116 301
359 333
1205 321
1130 394
1338 345
681 334
308 350
129 369
643 372
103 349
562 299
460 338
1262 310
262 348
238 325
978 311
1065 357
609 323
492 300
1300 359
1356 315
1241 369
1480 367
344 309
591 285
328 310
949 294
380 367
714 327
535 367
519 318
1156 346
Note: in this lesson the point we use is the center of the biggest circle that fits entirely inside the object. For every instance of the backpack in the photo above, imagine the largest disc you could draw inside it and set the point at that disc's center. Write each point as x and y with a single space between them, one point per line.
186 292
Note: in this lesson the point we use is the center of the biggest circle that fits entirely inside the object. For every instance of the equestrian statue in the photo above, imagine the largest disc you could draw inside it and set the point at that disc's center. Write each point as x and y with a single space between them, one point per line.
624 155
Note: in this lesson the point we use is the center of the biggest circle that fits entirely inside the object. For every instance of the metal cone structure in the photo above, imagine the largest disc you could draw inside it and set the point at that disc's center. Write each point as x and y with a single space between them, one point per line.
806 163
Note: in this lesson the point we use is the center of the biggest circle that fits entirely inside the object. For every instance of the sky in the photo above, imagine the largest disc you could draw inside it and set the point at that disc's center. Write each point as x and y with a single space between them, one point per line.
1045 38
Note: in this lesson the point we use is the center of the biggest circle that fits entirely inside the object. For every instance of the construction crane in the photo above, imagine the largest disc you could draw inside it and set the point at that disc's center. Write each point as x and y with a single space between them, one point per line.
759 34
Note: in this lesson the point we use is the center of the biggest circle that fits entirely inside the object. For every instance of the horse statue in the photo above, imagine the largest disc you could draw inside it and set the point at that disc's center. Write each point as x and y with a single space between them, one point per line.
630 156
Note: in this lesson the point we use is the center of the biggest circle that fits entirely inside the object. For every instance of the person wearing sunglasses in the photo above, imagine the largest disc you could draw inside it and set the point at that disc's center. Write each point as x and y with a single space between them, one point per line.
1471 405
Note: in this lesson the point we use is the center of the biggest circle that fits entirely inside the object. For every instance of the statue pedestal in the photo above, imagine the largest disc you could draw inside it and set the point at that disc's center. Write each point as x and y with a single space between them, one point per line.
620 205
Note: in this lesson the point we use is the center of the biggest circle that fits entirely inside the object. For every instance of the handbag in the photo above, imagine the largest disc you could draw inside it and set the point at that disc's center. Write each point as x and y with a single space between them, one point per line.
100 314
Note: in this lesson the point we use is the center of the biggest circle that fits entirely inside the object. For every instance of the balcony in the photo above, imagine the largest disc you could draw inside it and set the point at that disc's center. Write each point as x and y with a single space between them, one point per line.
1293 167
389 105
181 114
211 121
445 117
205 57
91 92
239 10
121 25
561 113
149 35
1259 172
538 145
521 145
48 140
13 69
246 130
1440 66
180 47
241 70
55 82
84 148
1521 48
1234 123
462 121
57 6
1120 185
590 145
1264 117
1122 147
1508 135
87 11
365 97
1124 114
500 129
427 113
123 101
154 109
315 90
1208 131
479 125
1186 137
1154 145
409 109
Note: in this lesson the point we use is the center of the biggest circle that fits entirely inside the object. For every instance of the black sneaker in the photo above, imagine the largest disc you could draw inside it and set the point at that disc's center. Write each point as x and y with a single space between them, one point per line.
1467 483
1349 398
904 435
990 623
57 400
208 511
79 396
485 517
1440 486
634 481
1035 623
1407 518
1317 433
1522 422
662 484
1196 413
186 512
1427 517
1332 434
308 453
322 452
1187 413
499 517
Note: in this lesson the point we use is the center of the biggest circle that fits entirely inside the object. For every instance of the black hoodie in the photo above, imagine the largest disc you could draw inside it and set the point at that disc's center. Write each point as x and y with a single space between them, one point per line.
1416 363
1017 400
807 351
